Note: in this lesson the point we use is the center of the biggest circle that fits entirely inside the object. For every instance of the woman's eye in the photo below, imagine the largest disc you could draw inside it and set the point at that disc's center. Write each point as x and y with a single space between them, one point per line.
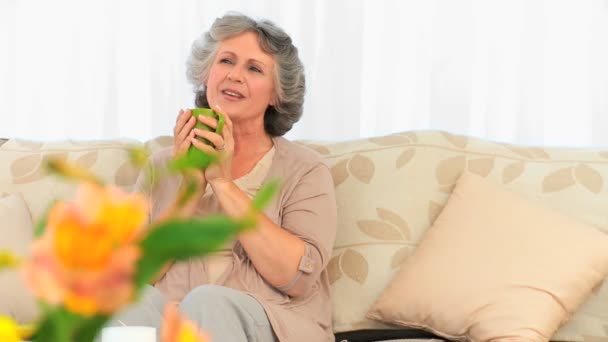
225 61
255 69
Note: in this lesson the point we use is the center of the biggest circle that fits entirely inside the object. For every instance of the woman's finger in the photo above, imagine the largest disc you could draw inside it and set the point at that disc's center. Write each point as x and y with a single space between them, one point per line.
182 117
179 116
208 121
184 145
178 132
213 137
227 130
186 129
202 146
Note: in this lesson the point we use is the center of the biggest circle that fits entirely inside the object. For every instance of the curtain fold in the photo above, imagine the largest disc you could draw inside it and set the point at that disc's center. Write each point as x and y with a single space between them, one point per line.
521 71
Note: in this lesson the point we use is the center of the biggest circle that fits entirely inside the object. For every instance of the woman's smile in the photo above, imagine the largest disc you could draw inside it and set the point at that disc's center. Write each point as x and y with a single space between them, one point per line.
231 94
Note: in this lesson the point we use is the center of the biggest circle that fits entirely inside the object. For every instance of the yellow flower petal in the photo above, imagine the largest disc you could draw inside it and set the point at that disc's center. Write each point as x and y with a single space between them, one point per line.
8 330
26 331
188 333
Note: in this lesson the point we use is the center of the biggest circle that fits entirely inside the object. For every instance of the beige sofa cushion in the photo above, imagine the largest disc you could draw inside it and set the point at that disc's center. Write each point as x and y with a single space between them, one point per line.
16 230
24 172
390 189
492 266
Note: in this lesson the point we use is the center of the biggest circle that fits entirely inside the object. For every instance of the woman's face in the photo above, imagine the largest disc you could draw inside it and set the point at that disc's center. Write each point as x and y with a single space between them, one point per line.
241 78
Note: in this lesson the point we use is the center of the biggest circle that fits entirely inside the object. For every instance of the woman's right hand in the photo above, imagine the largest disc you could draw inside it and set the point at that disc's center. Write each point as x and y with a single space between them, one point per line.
183 132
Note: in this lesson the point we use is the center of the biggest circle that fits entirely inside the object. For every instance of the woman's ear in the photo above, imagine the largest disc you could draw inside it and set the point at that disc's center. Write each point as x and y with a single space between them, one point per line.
274 100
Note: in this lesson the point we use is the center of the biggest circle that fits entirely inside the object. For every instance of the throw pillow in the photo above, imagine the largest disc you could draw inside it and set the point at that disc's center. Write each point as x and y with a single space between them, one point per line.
495 266
16 230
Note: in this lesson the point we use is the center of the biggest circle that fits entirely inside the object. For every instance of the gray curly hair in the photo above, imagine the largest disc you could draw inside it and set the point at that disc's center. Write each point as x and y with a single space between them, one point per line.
289 76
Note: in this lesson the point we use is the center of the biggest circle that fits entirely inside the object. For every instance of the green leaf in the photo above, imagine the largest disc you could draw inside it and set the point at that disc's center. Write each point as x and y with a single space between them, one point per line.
186 238
41 225
60 325
57 326
188 191
265 194
193 159
89 327
182 239
45 331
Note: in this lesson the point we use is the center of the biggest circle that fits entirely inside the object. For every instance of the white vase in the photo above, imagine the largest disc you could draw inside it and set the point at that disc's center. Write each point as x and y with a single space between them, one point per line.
128 334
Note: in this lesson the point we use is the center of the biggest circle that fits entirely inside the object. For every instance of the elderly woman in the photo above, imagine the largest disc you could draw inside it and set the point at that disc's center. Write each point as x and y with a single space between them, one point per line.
271 284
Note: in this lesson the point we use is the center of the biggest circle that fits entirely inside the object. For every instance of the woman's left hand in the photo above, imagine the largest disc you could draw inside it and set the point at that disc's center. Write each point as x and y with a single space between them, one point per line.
222 146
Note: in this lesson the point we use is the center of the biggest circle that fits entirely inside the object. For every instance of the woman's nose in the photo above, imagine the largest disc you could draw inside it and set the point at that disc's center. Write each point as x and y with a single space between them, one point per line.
235 75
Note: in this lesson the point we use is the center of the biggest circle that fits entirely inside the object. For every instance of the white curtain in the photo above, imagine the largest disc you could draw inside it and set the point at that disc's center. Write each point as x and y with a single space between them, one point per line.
523 71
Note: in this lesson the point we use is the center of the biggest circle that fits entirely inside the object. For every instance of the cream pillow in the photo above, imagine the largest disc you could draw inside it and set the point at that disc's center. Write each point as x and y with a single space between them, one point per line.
495 266
16 232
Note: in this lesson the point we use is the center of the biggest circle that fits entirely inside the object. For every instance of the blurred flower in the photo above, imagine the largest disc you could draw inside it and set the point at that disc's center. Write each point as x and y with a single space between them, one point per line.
71 171
9 331
26 331
138 156
87 256
178 329
8 260
93 255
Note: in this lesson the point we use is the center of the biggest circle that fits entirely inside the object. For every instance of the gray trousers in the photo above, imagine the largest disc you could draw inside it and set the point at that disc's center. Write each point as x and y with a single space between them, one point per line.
226 314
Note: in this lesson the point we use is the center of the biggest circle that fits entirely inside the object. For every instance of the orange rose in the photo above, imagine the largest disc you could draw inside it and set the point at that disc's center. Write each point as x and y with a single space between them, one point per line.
87 256
178 329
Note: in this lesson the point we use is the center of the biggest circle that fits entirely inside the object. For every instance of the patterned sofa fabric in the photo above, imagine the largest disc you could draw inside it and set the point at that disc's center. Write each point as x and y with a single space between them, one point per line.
24 171
389 190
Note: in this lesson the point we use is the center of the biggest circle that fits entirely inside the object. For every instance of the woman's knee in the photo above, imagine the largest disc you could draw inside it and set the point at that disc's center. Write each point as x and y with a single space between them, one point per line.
152 297
146 311
228 312
212 296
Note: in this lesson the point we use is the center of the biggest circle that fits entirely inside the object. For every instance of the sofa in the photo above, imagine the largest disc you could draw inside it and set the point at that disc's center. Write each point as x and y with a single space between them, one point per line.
389 191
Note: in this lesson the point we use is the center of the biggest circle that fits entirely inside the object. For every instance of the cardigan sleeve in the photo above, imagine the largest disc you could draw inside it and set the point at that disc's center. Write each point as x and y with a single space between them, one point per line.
310 213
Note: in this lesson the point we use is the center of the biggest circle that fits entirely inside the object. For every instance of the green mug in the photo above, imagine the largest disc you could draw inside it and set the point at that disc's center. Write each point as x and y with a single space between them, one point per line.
196 112
195 156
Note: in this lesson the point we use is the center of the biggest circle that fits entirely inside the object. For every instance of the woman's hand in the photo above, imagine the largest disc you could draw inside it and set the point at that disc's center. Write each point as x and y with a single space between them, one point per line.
222 146
182 133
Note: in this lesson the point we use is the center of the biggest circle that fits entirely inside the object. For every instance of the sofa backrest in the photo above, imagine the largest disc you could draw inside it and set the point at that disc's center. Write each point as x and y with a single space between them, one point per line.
389 190
24 172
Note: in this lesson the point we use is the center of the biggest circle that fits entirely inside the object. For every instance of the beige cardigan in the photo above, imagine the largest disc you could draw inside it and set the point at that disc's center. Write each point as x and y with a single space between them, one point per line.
306 207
